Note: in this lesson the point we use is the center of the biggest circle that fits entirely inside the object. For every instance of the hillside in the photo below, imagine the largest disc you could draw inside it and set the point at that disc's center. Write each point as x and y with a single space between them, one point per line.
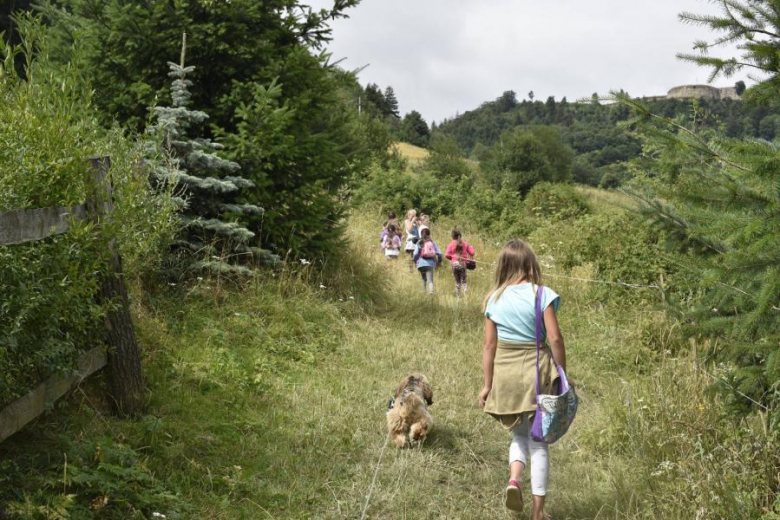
597 133
413 153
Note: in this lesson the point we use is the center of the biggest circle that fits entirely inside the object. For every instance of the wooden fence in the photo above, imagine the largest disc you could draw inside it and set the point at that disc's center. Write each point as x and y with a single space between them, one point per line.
127 387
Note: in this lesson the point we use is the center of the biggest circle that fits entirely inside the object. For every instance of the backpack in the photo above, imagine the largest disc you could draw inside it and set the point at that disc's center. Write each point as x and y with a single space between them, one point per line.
428 250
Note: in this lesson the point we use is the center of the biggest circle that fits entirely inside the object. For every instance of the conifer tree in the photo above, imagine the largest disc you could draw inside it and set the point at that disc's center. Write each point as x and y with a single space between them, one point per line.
719 198
212 232
755 26
299 163
722 197
415 130
391 103
376 99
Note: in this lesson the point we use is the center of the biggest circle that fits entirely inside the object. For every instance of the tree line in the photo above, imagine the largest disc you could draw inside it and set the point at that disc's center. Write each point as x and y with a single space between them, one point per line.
600 134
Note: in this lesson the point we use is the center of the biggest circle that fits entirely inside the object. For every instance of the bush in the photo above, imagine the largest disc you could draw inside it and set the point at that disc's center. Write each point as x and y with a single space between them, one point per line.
499 214
398 190
47 130
620 248
555 202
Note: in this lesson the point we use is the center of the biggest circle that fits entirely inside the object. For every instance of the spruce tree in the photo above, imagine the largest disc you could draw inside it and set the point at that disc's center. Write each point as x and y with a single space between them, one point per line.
415 130
391 104
375 100
301 162
753 26
212 234
719 199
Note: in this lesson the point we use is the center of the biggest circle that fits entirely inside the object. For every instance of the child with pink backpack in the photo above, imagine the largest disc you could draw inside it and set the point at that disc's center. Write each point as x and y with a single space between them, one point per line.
427 256
461 254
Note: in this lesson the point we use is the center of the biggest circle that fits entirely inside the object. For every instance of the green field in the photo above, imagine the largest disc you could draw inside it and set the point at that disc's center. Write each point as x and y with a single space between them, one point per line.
268 399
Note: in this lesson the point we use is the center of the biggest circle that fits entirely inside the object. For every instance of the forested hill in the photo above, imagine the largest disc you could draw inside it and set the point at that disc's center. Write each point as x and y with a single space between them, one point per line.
593 130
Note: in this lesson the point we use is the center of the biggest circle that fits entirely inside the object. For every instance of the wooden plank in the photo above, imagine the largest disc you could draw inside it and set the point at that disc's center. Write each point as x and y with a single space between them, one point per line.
28 225
19 413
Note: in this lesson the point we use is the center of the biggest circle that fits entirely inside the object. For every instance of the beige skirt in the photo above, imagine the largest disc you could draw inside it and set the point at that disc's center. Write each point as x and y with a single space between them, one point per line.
513 393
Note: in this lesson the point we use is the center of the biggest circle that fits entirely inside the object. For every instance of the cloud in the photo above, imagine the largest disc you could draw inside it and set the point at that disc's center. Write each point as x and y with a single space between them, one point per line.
448 56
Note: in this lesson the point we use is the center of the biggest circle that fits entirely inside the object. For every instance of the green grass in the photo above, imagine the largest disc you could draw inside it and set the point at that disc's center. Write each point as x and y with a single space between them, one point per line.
606 200
267 400
413 153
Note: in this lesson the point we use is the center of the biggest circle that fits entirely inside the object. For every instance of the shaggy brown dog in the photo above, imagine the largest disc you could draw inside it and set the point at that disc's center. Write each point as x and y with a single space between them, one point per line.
408 419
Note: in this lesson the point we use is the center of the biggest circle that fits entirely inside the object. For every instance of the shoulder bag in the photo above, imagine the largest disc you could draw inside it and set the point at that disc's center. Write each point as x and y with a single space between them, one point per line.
554 413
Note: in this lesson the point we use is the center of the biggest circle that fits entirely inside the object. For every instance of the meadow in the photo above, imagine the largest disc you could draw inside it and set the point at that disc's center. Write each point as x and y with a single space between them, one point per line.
267 400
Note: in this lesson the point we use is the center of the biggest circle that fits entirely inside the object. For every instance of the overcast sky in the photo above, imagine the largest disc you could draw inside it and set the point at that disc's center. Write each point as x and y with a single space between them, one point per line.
448 56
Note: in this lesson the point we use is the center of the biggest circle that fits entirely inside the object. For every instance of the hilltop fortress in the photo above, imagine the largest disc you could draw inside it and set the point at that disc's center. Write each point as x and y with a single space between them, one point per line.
698 92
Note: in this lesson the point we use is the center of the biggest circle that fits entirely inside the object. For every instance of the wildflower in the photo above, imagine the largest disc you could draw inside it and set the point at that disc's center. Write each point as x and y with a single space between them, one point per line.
322 287
172 284
200 278
351 297
305 262
158 515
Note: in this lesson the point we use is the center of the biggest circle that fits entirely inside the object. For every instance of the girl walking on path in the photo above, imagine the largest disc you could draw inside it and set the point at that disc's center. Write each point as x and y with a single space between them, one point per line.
427 255
392 243
412 234
458 252
508 363
391 221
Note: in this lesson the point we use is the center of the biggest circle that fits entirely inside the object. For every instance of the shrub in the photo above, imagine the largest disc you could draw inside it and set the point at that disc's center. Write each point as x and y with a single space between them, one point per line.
47 313
554 202
499 214
398 190
621 248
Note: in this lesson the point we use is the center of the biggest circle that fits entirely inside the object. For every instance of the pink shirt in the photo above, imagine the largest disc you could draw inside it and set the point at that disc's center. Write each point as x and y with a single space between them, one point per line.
466 249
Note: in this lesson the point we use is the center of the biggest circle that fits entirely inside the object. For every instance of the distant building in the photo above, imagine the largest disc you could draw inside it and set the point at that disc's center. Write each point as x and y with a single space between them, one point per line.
702 91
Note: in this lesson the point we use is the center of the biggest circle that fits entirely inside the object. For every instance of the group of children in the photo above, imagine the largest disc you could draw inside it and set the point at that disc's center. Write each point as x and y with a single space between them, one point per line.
423 252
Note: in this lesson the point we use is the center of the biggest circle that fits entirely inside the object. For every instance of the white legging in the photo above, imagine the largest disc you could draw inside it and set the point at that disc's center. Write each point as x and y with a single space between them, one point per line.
522 444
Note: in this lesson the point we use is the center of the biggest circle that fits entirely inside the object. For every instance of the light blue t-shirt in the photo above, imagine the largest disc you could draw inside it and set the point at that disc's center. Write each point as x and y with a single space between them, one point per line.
513 313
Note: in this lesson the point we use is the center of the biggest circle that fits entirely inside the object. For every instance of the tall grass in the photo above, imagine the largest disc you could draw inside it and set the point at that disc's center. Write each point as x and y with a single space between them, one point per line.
267 400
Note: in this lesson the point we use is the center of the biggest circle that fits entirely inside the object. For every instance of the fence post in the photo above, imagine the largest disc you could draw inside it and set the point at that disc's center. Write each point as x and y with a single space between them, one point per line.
127 384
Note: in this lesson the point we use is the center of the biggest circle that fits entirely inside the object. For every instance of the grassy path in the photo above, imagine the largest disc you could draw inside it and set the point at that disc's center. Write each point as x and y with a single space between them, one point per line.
269 402
460 471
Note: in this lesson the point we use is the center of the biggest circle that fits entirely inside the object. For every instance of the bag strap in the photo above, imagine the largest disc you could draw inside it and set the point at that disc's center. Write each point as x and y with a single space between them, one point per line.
538 328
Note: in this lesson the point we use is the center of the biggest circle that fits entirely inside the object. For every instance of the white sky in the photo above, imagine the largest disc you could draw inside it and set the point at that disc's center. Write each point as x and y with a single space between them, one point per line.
448 56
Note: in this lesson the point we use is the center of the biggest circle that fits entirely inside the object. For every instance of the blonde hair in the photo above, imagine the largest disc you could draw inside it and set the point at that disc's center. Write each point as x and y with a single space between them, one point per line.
517 261
412 213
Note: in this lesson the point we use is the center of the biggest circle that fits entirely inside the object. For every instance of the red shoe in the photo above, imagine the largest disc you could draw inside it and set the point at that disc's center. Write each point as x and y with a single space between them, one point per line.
514 496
